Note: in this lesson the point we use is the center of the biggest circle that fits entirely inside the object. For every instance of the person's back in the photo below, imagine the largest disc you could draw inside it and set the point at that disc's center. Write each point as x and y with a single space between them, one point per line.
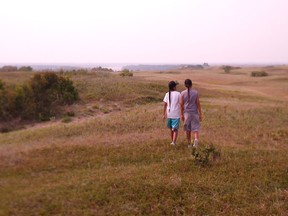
173 104
190 100
171 110
191 112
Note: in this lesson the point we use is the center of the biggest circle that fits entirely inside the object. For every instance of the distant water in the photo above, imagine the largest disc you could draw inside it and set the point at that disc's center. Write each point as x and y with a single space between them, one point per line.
68 66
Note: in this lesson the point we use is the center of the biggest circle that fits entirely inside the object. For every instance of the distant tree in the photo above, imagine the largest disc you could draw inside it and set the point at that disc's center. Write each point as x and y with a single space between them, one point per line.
101 69
8 68
227 68
126 72
25 68
206 65
259 73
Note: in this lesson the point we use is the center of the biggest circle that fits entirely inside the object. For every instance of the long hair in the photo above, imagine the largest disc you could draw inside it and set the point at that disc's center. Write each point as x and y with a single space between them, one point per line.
188 85
171 86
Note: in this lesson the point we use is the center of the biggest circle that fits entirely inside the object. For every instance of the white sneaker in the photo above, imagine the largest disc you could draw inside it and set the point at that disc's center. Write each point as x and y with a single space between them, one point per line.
195 145
173 144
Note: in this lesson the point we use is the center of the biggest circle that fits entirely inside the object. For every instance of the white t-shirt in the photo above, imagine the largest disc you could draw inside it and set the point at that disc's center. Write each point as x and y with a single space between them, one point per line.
173 110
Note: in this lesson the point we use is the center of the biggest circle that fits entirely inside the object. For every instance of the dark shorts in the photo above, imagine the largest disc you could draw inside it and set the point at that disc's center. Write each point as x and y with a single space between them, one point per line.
191 122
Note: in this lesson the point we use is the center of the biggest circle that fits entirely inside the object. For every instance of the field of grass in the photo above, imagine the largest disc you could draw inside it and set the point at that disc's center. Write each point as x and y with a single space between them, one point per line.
113 157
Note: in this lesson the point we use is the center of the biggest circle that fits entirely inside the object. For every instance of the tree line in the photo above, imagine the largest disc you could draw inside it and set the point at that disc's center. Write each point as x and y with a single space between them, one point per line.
9 68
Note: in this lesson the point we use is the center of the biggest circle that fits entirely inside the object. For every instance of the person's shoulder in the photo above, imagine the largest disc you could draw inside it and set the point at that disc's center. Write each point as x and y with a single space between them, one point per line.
183 92
166 95
195 91
177 93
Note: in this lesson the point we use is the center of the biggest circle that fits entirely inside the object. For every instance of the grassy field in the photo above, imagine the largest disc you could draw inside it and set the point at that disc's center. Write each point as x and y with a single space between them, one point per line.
114 157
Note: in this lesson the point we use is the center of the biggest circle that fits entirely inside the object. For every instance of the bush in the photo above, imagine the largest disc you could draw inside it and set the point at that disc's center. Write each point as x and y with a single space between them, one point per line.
126 73
205 154
11 101
8 68
39 99
259 73
227 68
25 68
49 91
66 119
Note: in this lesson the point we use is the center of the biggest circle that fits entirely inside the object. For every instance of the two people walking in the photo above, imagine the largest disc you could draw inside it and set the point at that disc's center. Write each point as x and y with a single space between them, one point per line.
184 105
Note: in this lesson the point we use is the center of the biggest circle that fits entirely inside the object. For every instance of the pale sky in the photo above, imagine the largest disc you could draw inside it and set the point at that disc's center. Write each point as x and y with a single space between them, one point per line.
143 31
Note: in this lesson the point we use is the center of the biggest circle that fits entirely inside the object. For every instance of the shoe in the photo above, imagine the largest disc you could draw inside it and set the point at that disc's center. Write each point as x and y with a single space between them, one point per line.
195 145
173 144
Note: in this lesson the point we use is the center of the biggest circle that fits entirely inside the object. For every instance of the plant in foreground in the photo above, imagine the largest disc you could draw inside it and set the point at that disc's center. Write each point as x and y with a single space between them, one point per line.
204 154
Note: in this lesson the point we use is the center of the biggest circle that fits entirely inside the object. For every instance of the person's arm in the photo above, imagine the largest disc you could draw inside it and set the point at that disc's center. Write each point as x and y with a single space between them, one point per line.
199 108
182 108
164 110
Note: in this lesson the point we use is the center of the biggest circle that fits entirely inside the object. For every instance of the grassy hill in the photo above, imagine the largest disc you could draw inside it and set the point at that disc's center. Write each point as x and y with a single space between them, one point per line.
114 157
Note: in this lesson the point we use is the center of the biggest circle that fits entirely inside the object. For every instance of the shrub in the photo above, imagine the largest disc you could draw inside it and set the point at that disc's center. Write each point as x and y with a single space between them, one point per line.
1 84
38 99
8 68
67 94
227 68
126 72
49 91
259 73
205 154
66 119
100 69
11 101
25 68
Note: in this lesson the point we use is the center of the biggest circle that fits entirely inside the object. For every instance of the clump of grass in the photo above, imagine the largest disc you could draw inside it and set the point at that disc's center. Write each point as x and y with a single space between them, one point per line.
95 106
5 130
259 73
70 113
126 73
67 119
104 110
204 154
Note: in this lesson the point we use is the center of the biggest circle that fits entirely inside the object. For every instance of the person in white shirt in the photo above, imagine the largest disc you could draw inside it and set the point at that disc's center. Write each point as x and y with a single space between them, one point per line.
171 110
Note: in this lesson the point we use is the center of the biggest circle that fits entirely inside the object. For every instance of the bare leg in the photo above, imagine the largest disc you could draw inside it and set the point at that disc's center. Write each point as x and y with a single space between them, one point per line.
188 136
175 135
171 133
196 135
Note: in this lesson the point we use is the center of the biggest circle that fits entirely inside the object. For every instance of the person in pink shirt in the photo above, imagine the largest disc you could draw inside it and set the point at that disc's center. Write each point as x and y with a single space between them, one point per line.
191 113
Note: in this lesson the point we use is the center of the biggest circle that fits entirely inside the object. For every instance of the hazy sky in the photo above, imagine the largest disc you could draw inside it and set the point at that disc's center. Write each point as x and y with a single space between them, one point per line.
143 31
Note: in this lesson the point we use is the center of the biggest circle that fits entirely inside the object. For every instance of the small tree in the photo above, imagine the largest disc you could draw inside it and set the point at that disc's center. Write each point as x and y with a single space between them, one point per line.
126 72
25 68
8 68
227 68
259 73
49 90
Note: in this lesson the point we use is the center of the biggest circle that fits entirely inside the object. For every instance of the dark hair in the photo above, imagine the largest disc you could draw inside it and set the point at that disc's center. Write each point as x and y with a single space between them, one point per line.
188 85
171 85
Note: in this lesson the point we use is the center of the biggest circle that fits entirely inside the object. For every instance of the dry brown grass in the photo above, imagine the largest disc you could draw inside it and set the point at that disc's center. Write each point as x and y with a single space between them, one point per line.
121 162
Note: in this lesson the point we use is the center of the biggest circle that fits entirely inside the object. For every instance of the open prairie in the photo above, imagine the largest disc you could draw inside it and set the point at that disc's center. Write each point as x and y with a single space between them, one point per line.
114 156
